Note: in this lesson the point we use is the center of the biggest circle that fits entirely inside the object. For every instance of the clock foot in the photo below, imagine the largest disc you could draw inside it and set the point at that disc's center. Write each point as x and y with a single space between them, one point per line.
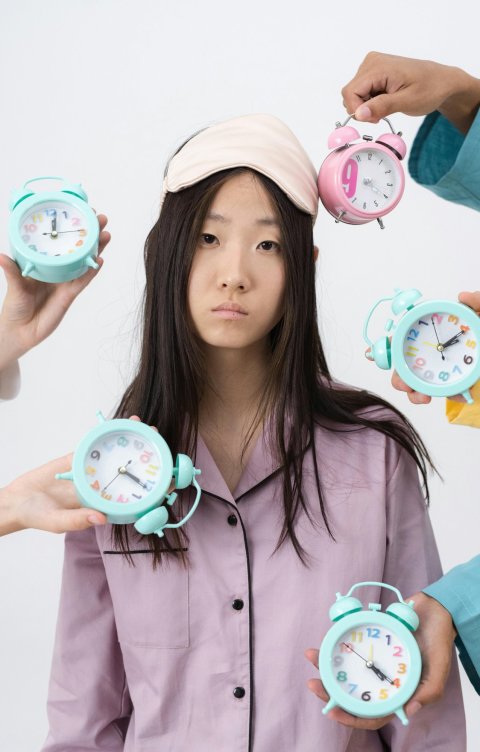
329 706
382 226
401 714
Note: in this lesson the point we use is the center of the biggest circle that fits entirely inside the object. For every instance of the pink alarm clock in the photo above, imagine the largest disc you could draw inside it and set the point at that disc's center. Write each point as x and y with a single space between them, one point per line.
360 182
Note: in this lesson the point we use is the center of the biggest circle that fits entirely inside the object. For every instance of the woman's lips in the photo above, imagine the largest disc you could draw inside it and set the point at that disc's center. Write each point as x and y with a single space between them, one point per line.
229 310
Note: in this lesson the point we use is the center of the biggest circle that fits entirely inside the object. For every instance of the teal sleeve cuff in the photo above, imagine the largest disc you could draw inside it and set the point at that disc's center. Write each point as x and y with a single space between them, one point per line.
446 162
459 592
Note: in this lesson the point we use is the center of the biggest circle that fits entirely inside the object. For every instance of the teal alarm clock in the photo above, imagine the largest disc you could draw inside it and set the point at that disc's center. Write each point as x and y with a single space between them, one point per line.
433 346
125 469
369 661
54 234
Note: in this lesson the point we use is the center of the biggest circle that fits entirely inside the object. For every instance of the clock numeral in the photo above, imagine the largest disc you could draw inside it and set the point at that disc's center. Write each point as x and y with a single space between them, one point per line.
414 333
402 668
95 486
357 636
388 639
352 689
443 375
349 178
345 647
369 155
146 456
357 157
122 500
411 351
37 217
398 651
30 228
423 322
471 343
383 694
95 455
138 444
389 185
464 328
420 362
82 233
364 204
456 369
76 221
428 375
437 318
65 214
106 495
376 203
137 497
372 632
380 162
90 470
337 660
385 195
387 172
453 319
51 212
467 359
342 676
397 682
108 445
366 696
122 441
149 485
152 469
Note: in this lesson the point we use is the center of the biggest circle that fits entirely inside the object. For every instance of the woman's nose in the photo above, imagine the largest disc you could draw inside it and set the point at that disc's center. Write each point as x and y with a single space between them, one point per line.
234 274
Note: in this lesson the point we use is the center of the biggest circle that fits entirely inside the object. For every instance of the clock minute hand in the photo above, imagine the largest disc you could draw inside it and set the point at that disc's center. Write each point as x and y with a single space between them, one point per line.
62 232
439 345
133 477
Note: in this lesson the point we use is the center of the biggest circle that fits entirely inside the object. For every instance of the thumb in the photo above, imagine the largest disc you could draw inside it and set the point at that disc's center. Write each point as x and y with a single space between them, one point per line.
379 107
76 519
10 269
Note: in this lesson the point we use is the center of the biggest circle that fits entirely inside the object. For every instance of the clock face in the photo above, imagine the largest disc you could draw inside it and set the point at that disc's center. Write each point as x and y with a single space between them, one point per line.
122 467
370 663
54 228
440 348
370 180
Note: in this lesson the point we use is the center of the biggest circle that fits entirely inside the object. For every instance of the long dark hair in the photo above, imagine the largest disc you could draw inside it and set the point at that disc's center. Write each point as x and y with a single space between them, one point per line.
171 376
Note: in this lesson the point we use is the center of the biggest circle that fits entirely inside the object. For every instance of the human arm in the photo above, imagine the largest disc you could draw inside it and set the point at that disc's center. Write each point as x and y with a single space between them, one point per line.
32 310
88 700
37 500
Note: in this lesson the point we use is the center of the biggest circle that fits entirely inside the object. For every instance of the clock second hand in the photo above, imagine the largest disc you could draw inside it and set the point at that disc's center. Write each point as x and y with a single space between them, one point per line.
62 232
121 470
369 664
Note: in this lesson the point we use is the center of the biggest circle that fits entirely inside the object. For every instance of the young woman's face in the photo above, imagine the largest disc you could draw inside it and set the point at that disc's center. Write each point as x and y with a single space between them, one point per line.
237 279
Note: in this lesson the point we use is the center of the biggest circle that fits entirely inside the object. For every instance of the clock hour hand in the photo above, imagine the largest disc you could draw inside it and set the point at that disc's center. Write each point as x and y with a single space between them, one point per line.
124 471
453 340
54 232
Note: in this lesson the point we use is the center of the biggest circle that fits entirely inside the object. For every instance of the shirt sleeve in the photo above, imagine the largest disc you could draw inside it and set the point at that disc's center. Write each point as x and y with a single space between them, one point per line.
446 162
10 382
88 701
411 563
459 592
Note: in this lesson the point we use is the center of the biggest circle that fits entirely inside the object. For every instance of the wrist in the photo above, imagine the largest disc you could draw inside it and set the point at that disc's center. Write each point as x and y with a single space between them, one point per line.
461 106
9 520
10 348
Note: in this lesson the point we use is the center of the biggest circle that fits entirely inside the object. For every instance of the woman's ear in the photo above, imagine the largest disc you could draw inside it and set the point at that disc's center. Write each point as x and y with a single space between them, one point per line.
315 252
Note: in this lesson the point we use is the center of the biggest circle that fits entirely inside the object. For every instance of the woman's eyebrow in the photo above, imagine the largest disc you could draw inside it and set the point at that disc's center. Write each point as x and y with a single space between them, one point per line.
269 221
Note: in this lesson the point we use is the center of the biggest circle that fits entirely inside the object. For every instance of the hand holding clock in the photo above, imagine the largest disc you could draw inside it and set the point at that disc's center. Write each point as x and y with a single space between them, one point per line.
472 299
435 639
32 310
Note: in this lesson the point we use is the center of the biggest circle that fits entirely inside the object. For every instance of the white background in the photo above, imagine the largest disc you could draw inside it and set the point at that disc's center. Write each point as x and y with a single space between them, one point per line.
102 93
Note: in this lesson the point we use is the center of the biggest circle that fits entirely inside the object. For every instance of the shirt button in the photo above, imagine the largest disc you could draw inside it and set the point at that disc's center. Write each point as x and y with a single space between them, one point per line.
239 692
232 520
237 604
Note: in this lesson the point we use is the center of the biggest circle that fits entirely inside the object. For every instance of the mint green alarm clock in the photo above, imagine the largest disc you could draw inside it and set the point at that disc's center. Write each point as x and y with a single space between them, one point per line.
369 661
124 469
54 234
434 345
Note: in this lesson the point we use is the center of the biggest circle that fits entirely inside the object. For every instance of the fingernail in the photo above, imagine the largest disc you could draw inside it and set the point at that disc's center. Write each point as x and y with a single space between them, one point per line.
363 112
414 708
95 520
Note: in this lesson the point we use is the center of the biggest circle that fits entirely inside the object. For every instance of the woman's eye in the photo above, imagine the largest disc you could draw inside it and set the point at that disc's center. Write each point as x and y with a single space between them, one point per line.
269 245
208 239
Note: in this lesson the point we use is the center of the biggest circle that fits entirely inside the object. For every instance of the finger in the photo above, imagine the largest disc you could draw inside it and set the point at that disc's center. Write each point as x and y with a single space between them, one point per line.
471 299
103 240
366 724
381 106
135 417
416 398
362 88
312 655
102 221
65 521
316 686
11 270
